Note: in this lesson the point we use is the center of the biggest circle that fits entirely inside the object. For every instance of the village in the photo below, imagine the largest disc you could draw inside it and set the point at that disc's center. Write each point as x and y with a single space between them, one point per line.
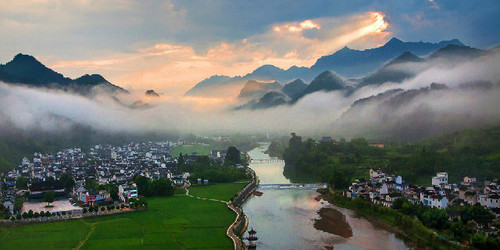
68 175
384 189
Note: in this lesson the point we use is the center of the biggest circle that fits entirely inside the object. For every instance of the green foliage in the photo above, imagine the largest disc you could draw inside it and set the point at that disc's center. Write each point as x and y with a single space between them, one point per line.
147 187
207 169
18 204
91 184
329 162
233 156
112 189
21 183
48 197
68 182
467 153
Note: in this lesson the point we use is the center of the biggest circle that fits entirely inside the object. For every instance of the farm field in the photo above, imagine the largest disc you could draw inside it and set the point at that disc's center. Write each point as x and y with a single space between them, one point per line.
178 222
220 191
189 149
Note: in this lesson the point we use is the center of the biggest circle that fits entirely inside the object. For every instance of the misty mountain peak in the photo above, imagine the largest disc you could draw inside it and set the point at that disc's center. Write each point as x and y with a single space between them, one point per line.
406 57
151 93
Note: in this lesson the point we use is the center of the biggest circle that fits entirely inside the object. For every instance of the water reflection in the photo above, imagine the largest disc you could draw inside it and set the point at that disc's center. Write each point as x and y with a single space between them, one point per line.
285 219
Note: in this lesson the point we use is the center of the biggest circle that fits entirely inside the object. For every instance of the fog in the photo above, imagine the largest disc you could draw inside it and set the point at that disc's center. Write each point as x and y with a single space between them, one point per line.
430 111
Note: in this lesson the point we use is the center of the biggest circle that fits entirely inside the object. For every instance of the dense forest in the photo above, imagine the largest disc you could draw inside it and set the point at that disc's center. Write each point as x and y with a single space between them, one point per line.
466 153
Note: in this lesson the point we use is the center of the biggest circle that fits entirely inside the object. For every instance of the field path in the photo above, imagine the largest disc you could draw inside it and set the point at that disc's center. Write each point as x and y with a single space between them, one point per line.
87 237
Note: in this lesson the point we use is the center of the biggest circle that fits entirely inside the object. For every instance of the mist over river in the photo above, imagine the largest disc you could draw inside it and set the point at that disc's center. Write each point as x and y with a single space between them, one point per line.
294 219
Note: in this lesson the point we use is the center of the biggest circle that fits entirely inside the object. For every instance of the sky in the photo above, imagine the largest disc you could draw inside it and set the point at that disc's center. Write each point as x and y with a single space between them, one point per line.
171 45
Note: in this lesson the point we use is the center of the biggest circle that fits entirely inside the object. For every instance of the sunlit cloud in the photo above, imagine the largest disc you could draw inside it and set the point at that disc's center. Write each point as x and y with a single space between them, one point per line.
174 68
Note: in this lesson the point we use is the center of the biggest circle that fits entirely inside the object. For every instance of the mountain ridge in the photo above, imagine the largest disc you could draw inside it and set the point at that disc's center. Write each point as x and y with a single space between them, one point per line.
346 62
27 70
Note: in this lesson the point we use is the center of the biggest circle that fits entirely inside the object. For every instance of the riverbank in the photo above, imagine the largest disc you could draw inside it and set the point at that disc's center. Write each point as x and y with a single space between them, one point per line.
410 230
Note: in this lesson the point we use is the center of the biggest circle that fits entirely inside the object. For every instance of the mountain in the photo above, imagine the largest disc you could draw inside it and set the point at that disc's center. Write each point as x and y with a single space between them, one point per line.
293 89
30 71
269 100
151 93
27 70
390 72
216 85
346 62
456 52
354 63
326 81
256 89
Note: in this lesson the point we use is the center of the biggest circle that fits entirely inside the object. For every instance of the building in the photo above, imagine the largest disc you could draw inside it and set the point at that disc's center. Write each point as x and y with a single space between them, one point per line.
489 200
469 180
433 200
127 192
440 179
92 198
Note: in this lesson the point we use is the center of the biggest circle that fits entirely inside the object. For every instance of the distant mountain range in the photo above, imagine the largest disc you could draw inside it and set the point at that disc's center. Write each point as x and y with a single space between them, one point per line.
403 67
346 62
27 70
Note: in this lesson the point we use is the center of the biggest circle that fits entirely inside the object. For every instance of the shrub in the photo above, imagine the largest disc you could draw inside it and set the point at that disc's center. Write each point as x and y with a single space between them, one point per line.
18 216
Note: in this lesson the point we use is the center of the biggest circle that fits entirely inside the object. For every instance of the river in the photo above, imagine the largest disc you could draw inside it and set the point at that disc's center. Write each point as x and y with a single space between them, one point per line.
294 219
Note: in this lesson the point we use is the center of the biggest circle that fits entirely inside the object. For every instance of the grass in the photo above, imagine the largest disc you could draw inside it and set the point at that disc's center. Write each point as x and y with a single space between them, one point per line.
220 191
189 149
178 222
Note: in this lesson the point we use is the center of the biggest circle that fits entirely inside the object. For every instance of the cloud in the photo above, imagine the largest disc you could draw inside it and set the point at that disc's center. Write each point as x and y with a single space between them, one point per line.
429 112
174 68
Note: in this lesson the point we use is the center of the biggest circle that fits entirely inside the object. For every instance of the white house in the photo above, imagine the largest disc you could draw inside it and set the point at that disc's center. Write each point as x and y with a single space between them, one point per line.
433 200
440 179
489 200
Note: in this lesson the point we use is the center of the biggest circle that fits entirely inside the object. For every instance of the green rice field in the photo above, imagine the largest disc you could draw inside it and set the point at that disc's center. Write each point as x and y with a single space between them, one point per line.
178 222
220 191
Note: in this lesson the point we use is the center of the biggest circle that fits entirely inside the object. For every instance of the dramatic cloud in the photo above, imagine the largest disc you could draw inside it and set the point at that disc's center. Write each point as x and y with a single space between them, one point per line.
222 37
175 68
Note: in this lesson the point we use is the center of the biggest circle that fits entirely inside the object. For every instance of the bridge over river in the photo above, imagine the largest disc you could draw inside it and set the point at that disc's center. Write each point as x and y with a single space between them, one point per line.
312 186
268 160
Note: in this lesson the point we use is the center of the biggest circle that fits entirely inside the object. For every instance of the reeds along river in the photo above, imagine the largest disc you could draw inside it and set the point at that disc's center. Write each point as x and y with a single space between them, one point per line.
294 219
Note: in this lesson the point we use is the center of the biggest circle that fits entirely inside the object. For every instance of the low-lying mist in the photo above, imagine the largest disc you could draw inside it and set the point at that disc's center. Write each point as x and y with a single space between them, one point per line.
404 114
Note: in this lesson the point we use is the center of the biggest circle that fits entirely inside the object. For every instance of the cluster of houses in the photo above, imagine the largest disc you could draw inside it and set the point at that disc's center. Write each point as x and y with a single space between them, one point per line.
104 164
384 189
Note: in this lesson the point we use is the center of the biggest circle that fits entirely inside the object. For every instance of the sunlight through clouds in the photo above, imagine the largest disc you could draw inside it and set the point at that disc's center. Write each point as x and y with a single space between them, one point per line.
174 68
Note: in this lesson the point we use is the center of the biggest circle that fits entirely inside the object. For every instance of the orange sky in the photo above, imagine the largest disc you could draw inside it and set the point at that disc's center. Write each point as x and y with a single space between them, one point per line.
172 69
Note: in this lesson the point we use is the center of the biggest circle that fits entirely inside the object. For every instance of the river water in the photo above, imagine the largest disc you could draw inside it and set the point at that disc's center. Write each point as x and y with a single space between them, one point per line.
294 219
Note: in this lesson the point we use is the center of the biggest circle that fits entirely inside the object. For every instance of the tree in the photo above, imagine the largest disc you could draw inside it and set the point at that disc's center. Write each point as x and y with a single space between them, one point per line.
233 156
67 181
339 181
180 160
18 204
91 184
21 183
48 197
